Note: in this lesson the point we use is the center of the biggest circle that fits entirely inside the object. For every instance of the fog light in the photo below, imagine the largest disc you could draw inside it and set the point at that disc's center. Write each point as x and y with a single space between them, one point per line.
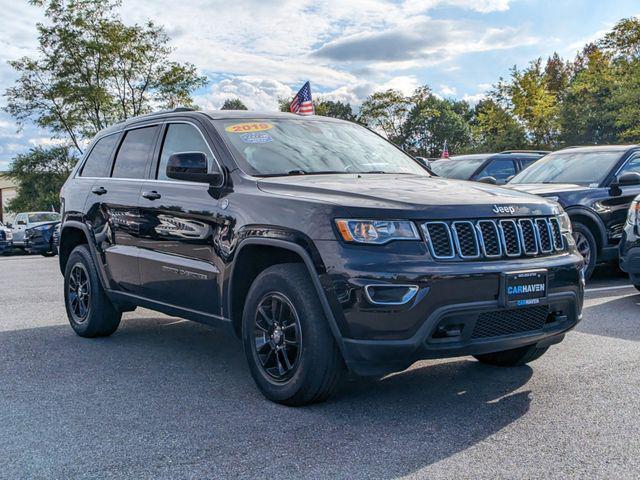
390 294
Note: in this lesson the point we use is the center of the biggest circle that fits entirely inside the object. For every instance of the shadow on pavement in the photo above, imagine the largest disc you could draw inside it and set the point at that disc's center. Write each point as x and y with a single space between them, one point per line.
160 400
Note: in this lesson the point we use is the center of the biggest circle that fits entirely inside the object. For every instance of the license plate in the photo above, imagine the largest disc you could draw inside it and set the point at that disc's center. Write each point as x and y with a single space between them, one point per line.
524 288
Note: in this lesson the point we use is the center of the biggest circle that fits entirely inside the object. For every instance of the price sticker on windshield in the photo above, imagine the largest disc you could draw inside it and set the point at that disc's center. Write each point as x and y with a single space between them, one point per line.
249 127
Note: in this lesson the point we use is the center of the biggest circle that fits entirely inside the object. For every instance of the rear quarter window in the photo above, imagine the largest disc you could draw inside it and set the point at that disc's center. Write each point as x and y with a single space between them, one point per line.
98 162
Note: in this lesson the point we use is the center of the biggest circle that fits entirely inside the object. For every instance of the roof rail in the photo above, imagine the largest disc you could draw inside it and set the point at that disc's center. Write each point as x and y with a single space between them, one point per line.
539 152
152 114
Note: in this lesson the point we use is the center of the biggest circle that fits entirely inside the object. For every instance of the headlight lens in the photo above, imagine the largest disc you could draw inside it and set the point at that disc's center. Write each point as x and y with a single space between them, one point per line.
376 232
632 216
565 223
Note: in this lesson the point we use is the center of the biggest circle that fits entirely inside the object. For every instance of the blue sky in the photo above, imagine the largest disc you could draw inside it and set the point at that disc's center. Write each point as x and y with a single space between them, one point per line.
259 50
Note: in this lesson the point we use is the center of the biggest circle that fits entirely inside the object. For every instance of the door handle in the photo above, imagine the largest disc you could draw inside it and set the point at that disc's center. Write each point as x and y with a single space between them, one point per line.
99 190
153 195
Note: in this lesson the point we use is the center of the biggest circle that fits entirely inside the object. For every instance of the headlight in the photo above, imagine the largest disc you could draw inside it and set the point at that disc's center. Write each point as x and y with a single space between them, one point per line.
565 223
376 232
632 216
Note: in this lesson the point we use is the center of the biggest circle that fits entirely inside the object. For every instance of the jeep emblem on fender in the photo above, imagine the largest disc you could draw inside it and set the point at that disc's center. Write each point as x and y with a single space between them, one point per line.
505 209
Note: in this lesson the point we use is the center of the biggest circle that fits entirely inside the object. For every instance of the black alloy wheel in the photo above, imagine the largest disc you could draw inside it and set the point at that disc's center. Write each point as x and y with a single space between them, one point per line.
79 293
277 336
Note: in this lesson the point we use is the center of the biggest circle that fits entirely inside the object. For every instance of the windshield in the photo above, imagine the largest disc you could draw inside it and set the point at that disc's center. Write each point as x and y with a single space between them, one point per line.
461 167
582 168
43 217
308 146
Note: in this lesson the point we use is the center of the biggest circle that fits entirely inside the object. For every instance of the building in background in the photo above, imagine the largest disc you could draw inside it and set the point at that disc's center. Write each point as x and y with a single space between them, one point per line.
8 190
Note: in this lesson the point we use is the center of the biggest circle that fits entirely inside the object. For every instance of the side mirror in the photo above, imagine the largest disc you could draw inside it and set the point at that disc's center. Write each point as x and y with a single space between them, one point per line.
489 180
21 222
191 167
509 178
9 225
629 178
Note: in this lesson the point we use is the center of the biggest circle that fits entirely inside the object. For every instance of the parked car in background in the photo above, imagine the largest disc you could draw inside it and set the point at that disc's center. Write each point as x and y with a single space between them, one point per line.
495 168
6 238
595 186
630 244
33 231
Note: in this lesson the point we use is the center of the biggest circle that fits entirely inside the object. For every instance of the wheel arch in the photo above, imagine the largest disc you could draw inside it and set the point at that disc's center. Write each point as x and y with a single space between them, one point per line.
590 220
270 252
72 234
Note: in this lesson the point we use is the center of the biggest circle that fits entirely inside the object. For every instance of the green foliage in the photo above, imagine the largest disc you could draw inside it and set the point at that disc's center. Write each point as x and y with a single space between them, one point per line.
233 104
92 70
432 121
387 112
528 97
495 129
40 174
334 109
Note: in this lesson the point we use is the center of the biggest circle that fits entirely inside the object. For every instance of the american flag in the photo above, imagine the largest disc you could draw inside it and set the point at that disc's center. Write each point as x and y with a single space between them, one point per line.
445 150
302 103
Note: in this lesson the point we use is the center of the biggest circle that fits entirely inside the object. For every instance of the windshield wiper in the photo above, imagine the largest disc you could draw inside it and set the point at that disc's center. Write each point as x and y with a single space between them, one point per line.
325 172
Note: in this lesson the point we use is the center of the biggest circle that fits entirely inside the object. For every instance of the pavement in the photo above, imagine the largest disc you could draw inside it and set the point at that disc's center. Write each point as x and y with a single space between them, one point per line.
165 398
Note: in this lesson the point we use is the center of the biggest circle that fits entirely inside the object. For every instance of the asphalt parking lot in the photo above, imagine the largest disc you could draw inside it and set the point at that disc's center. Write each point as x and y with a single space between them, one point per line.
164 398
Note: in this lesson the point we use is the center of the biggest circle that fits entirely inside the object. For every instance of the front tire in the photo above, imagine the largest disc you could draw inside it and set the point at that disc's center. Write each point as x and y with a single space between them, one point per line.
512 358
291 351
587 246
89 310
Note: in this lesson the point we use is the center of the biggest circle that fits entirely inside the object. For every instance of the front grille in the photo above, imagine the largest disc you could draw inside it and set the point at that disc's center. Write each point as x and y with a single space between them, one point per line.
493 239
510 322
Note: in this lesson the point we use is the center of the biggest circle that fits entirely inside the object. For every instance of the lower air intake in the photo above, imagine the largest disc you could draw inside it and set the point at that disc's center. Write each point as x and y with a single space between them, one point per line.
510 322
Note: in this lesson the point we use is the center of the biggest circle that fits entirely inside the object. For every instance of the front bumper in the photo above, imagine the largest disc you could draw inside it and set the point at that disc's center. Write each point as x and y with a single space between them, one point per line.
454 297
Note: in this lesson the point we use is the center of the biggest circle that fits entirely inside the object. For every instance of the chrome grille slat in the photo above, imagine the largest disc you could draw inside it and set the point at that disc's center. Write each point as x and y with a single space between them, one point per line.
558 240
544 235
493 238
528 236
465 239
438 235
510 236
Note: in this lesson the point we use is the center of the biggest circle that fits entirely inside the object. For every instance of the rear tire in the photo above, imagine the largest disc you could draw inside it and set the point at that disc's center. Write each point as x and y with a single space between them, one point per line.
512 358
89 310
283 325
586 243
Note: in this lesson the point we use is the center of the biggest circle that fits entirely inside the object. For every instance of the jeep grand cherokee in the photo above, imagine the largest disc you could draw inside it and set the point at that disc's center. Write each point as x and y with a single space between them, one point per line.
324 247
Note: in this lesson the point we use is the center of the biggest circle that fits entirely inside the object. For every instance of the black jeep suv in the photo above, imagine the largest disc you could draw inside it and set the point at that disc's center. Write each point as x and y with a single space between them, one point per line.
324 247
595 186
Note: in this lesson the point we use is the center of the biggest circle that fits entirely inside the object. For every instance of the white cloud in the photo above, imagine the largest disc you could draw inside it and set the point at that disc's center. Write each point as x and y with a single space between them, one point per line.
255 92
447 91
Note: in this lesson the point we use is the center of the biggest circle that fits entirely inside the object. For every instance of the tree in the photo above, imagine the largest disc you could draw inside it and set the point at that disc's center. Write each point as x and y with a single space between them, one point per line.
334 109
431 121
495 129
588 114
623 45
40 174
386 112
92 70
233 104
527 96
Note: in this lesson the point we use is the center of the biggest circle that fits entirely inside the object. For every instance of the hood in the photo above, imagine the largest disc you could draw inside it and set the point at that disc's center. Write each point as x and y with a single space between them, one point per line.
546 188
415 196
39 224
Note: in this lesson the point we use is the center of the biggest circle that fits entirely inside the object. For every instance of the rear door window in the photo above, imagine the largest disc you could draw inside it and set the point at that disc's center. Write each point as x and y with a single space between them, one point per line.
98 162
134 153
